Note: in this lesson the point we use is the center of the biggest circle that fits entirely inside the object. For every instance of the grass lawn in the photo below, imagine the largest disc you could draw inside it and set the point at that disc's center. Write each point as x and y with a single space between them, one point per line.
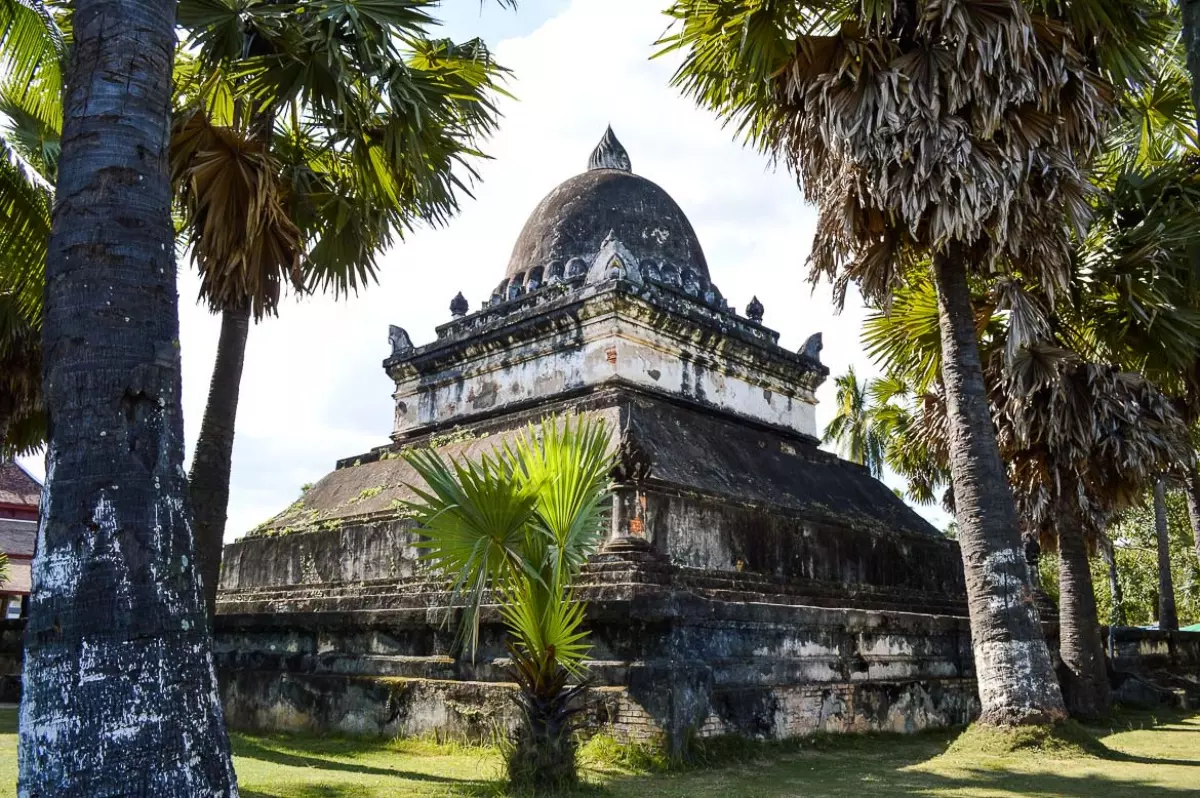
1147 756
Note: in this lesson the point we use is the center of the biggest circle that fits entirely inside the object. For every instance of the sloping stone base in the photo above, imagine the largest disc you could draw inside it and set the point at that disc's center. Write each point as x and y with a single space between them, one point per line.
478 711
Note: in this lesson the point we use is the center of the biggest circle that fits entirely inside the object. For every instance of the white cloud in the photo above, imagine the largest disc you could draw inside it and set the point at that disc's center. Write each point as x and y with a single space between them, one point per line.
313 389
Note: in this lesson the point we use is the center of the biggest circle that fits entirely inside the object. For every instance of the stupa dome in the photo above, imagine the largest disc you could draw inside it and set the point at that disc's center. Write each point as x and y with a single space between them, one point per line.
607 202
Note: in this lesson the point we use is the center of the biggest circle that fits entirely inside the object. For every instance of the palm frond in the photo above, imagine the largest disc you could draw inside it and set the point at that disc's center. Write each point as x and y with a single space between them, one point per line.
25 202
376 127
568 464
473 516
33 54
234 208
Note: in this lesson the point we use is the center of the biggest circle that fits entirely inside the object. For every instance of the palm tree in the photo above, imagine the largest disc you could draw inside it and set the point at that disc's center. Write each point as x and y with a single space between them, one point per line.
119 692
281 178
1147 232
516 527
33 55
853 429
1081 441
307 142
951 135
1167 617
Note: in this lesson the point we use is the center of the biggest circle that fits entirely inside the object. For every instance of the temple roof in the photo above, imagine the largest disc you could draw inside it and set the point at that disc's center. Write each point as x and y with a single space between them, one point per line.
17 487
668 444
607 200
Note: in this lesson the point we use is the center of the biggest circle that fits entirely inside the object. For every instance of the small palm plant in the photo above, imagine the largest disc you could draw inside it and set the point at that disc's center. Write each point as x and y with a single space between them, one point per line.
515 527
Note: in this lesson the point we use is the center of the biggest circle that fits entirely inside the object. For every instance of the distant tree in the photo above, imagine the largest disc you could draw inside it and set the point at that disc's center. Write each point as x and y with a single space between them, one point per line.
515 528
852 428
1168 618
119 694
1132 537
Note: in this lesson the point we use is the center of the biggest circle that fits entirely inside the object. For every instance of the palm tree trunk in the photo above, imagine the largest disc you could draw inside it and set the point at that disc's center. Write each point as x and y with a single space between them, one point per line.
1167 619
120 697
1012 663
213 458
1193 502
1116 615
1191 41
542 758
1086 690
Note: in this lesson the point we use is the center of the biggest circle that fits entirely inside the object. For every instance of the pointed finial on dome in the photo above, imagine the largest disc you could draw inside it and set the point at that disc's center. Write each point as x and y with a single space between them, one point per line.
754 311
609 154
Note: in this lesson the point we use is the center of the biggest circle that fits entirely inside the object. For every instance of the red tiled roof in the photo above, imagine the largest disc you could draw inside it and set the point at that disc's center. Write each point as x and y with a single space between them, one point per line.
17 487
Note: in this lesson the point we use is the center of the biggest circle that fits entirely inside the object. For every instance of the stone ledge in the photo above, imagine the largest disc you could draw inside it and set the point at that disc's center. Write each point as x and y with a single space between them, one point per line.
475 711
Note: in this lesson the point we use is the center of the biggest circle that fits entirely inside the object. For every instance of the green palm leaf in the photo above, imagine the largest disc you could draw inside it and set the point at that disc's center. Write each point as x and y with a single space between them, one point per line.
521 524
569 464
33 53
473 516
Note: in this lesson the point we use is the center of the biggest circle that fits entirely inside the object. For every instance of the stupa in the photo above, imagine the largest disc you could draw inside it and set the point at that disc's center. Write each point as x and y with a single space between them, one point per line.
752 583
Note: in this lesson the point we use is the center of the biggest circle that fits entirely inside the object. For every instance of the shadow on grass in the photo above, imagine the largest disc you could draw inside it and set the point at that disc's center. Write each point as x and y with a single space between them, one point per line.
253 749
1121 756
987 782
884 765
308 791
825 775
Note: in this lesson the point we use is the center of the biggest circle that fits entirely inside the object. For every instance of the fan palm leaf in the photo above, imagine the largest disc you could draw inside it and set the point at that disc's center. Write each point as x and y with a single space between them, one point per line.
517 527
569 466
474 517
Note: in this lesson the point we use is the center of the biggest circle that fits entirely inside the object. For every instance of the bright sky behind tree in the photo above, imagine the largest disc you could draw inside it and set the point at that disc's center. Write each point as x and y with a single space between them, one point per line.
314 390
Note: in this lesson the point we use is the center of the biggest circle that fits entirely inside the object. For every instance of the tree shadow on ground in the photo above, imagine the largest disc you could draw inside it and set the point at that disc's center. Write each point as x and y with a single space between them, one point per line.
1088 785
765 780
1121 756
252 749
870 767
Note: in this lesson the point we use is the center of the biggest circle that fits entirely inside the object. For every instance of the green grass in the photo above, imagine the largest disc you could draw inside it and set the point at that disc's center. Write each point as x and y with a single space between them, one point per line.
1139 755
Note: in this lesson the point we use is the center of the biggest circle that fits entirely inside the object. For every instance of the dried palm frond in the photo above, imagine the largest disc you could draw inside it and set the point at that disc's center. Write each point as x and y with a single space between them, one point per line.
964 121
235 209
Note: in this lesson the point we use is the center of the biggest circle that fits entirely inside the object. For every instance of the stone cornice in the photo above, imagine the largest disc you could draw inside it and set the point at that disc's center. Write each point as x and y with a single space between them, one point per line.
564 308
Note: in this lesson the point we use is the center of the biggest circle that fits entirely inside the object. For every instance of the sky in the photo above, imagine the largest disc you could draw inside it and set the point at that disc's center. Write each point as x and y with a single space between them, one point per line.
314 390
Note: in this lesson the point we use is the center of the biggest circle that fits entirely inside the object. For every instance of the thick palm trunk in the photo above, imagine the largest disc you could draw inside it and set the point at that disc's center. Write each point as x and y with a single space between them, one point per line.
543 754
120 697
1193 502
1012 663
1167 619
213 458
1080 645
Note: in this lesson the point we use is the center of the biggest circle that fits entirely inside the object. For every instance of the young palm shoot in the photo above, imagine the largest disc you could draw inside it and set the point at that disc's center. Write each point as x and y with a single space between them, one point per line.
514 528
